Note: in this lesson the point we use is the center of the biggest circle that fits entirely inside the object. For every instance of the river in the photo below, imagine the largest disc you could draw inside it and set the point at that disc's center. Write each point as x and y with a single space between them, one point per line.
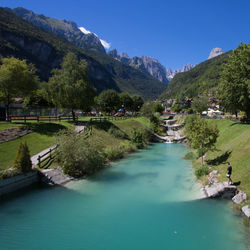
149 200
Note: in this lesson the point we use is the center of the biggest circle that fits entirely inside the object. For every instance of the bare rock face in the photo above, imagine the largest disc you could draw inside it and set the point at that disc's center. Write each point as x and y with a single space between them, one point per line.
215 52
239 197
246 211
149 65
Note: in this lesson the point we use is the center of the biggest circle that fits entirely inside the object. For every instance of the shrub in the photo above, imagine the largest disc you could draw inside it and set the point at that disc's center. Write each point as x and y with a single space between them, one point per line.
138 138
22 159
117 133
114 153
79 155
189 156
155 123
201 171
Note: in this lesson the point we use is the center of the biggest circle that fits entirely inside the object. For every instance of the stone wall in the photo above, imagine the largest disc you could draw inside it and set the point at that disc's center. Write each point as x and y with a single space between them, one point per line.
18 182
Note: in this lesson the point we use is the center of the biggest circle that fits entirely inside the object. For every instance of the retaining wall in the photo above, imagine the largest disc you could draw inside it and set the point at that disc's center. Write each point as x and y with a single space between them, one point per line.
18 182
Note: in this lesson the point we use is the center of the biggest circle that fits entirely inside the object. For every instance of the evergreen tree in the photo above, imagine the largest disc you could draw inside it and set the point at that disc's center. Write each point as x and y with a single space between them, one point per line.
22 160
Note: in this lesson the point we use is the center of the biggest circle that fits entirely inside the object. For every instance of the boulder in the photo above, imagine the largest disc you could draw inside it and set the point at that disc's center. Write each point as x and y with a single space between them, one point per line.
246 211
220 189
239 197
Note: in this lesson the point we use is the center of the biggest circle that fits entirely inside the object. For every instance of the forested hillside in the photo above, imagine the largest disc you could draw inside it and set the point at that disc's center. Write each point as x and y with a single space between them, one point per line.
45 50
203 78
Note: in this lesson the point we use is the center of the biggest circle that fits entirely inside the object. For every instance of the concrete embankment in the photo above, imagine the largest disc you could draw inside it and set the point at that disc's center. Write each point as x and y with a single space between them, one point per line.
15 183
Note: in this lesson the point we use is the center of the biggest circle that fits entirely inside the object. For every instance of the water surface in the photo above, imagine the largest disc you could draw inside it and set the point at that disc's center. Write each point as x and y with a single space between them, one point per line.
147 201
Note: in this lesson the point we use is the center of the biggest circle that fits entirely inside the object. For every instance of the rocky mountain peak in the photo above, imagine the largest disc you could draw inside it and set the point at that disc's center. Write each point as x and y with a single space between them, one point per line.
215 52
149 65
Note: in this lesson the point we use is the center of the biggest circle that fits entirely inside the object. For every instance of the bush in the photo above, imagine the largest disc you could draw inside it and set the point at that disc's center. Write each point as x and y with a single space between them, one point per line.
22 160
189 156
114 153
201 171
155 123
117 133
79 155
138 138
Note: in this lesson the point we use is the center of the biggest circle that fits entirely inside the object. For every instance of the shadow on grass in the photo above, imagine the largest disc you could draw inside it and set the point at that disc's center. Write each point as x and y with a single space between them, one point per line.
45 128
237 183
110 128
219 159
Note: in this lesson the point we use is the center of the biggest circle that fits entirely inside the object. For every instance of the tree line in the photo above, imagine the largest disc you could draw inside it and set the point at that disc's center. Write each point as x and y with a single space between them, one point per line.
68 87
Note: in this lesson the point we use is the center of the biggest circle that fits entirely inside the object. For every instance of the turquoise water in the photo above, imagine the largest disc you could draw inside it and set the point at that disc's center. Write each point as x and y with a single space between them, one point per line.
147 201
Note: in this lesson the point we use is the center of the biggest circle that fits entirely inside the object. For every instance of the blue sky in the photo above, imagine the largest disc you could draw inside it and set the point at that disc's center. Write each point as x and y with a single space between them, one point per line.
175 32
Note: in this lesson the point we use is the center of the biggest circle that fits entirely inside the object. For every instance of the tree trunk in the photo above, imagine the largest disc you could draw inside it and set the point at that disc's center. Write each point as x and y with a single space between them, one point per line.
8 109
73 115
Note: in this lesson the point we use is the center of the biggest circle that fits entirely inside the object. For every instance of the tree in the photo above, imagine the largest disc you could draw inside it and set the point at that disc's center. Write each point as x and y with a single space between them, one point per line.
147 109
22 159
126 101
158 107
17 79
137 103
37 98
69 86
200 134
234 87
200 104
109 100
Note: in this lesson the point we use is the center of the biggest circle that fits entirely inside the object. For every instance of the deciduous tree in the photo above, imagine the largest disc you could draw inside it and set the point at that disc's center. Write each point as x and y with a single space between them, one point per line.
234 88
109 100
17 79
69 86
201 135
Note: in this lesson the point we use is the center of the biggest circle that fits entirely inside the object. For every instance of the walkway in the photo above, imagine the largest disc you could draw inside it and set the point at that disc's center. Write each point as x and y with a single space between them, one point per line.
34 158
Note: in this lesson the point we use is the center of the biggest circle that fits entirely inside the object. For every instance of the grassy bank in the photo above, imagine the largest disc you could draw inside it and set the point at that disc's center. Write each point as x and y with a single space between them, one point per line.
42 137
233 145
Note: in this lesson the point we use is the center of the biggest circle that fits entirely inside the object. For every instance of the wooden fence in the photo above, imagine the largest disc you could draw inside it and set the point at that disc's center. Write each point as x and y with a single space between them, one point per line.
41 118
46 159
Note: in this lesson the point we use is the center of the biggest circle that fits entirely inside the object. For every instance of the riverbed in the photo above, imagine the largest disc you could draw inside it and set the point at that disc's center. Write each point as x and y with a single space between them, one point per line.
149 200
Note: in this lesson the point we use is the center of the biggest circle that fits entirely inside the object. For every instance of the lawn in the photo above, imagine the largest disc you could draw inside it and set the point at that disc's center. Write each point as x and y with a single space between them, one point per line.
233 145
42 138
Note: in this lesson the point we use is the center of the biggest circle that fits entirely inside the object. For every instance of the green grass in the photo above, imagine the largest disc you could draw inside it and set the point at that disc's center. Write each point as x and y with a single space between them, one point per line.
42 138
233 145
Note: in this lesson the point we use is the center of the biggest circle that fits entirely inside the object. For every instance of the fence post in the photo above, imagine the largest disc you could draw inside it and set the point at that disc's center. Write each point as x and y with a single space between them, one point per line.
39 160
49 118
37 118
50 153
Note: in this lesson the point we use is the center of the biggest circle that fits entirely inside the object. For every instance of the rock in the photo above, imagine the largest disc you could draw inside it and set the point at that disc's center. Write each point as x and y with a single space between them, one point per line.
246 211
149 65
239 197
215 52
220 189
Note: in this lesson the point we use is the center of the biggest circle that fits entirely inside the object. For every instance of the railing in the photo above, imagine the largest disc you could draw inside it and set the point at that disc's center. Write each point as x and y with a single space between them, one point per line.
41 118
46 159
44 162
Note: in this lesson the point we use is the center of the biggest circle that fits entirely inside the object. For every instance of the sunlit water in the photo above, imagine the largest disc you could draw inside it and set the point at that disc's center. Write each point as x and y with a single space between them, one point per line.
147 201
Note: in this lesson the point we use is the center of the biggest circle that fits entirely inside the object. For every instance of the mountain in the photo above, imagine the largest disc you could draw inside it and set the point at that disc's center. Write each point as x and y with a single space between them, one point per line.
68 29
149 65
215 52
204 77
45 50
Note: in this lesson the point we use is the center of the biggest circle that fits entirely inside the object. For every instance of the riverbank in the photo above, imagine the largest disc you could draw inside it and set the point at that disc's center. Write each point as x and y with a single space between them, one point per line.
233 145
147 200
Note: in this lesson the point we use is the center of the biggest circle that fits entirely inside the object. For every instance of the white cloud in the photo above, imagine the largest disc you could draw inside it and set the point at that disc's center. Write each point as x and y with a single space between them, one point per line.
104 43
